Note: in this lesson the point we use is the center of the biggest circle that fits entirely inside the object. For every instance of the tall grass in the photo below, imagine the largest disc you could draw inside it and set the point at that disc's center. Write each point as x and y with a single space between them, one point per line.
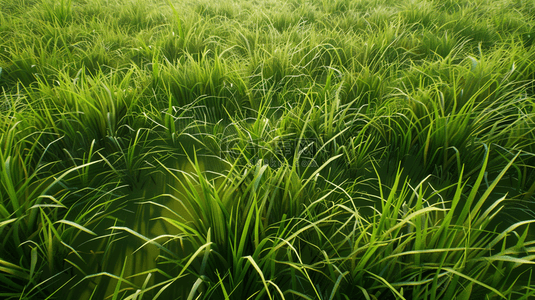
267 150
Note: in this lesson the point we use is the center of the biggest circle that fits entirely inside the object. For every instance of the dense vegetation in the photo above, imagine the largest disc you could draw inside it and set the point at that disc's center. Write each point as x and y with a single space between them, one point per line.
267 149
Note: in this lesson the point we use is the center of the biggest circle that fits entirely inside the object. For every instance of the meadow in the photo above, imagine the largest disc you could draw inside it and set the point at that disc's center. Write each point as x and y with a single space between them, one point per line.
267 149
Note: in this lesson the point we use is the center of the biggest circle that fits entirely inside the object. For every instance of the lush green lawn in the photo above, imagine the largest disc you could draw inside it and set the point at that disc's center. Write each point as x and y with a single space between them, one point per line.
267 149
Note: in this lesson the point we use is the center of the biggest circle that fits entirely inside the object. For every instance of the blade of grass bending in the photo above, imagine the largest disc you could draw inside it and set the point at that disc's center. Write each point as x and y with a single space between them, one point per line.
337 284
507 231
299 294
164 206
190 261
105 274
277 288
386 283
425 251
171 236
6 222
420 282
152 242
144 286
12 269
148 272
364 292
474 281
318 170
412 216
516 260
53 199
194 289
77 226
259 271
484 217
75 266
33 214
181 226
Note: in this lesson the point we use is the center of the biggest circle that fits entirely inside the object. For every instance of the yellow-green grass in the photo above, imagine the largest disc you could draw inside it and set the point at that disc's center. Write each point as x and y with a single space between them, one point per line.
270 149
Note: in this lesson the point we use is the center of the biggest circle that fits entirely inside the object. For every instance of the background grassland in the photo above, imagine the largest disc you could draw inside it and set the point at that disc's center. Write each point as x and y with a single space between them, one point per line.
301 149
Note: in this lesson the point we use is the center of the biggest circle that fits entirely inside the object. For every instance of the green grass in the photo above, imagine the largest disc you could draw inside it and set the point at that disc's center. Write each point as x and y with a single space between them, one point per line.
268 149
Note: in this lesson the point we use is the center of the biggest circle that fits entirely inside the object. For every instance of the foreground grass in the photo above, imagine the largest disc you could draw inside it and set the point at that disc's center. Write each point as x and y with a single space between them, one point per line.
267 150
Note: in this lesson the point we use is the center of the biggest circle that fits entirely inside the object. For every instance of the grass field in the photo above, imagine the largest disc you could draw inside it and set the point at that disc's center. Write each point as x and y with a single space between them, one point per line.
267 149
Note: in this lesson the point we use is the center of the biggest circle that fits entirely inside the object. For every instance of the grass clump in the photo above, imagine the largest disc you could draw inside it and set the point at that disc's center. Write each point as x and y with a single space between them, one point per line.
267 150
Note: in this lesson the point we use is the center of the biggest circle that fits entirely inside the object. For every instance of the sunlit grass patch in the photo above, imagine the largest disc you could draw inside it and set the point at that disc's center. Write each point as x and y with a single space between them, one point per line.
269 149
